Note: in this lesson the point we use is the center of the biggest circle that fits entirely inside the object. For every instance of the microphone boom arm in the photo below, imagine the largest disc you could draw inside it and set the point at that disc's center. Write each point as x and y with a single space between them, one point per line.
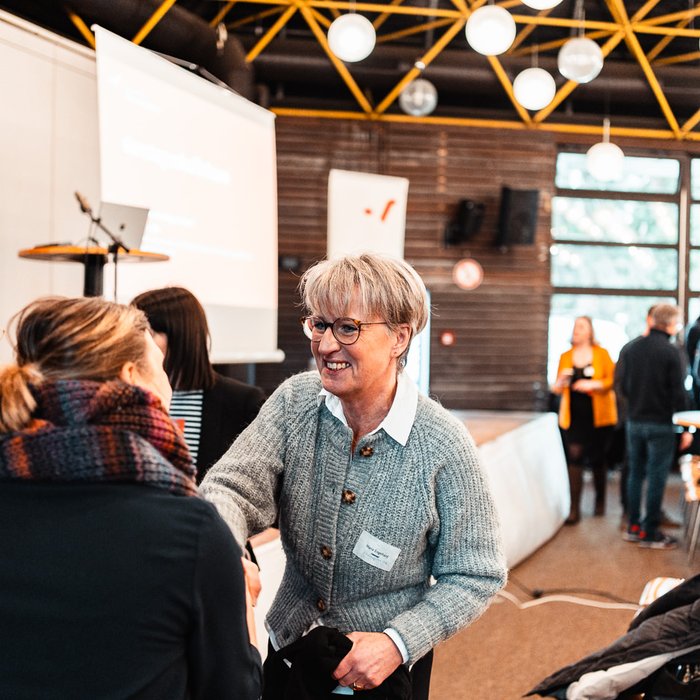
116 241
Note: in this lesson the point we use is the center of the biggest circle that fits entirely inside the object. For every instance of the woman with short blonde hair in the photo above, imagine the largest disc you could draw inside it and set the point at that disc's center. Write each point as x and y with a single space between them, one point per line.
386 287
377 490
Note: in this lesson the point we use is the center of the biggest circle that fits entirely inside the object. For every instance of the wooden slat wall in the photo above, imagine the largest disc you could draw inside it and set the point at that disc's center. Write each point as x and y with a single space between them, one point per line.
499 360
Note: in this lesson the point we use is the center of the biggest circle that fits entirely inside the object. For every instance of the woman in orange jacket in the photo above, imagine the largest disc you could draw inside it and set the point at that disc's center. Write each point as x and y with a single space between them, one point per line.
587 411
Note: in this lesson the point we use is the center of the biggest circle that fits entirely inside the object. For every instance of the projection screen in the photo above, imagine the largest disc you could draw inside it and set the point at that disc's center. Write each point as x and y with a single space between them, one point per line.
202 160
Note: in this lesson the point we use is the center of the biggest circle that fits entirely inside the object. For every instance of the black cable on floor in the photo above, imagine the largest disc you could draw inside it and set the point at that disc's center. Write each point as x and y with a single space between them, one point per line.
539 592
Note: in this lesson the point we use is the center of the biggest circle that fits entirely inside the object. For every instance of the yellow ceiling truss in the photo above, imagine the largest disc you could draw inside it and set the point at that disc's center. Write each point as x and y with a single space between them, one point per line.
271 33
385 15
80 26
410 31
153 21
570 85
524 34
252 19
220 16
620 28
426 60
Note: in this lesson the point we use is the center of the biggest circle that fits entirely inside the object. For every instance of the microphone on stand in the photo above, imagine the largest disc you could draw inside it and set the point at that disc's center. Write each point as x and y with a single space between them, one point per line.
87 209
97 222
84 206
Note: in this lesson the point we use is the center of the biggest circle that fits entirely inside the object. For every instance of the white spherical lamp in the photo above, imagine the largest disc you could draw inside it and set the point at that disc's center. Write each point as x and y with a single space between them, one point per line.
534 88
490 30
419 98
351 37
541 4
605 161
580 59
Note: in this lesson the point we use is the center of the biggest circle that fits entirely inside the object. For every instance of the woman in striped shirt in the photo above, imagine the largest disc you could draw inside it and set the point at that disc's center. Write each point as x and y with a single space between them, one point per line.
211 408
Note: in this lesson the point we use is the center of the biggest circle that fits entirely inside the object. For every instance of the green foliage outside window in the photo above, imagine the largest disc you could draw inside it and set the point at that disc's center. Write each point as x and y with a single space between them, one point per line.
624 267
652 175
614 221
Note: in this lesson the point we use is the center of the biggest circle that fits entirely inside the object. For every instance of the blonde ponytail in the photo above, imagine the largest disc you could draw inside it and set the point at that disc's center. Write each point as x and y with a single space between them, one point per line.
58 338
16 400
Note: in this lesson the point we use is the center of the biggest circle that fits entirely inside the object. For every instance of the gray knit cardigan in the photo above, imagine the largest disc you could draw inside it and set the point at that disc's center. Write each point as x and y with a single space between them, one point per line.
429 498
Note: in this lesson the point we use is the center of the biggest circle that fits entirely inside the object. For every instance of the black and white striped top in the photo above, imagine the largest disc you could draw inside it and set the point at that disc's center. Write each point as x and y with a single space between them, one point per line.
186 406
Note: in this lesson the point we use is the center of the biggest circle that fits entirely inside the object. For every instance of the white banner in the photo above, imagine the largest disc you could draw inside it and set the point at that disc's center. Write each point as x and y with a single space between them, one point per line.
366 213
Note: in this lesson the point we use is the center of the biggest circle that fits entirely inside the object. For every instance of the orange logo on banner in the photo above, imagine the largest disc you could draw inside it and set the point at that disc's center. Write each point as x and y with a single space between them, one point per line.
385 213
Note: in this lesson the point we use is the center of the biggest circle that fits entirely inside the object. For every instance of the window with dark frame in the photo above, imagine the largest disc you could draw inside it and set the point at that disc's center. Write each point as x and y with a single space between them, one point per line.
619 247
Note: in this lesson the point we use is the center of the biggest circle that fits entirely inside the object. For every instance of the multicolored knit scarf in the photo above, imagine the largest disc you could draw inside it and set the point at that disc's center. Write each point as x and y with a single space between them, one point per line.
85 431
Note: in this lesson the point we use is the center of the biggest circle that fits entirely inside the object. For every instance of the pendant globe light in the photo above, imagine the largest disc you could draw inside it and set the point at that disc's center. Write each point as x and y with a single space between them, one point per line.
580 59
419 98
490 30
541 4
605 160
534 88
351 37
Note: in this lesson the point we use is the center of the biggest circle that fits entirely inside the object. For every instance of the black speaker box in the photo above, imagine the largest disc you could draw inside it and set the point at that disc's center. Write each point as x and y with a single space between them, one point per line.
517 222
466 223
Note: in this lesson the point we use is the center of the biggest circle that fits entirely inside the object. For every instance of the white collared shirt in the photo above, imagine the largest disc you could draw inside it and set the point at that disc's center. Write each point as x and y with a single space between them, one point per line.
398 422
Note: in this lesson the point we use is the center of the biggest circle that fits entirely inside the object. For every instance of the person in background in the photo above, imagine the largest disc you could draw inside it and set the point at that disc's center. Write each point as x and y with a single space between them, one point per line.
113 570
692 339
622 431
587 412
650 376
213 408
377 488
692 349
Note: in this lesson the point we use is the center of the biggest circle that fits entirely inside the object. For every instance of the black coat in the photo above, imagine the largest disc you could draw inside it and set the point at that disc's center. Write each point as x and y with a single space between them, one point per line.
650 376
670 623
227 408
120 591
313 659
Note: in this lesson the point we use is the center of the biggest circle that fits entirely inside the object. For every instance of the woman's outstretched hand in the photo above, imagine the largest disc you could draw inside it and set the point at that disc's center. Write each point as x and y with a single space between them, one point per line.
371 660
251 573
252 579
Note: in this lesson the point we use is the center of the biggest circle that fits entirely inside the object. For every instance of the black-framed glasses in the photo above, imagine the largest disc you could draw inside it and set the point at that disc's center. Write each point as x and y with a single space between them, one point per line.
345 330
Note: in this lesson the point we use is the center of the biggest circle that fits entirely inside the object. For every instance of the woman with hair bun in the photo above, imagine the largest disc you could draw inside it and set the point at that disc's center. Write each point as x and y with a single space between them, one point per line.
112 568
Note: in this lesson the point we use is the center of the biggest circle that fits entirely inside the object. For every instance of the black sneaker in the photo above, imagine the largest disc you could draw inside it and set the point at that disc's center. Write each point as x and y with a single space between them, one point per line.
632 534
657 540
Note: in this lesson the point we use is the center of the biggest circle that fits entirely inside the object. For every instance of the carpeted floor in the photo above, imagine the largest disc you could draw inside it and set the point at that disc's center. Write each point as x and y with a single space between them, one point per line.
508 650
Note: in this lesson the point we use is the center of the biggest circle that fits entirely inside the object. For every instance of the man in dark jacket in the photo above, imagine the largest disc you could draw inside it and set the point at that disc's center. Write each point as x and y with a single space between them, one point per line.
649 375
691 347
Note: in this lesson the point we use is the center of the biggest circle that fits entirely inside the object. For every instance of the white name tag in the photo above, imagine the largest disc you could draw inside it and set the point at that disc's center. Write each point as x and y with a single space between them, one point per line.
375 552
